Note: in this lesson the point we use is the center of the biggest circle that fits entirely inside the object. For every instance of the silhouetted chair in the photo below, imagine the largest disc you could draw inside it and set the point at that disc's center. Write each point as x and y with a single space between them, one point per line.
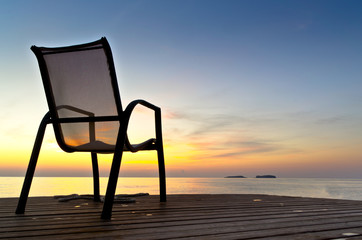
86 113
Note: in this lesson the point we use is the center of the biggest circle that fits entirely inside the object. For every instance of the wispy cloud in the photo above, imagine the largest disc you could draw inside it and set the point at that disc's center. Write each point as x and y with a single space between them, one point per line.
222 135
330 120
224 148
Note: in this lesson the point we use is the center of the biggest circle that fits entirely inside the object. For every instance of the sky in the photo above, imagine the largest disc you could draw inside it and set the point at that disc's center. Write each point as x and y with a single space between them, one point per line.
246 87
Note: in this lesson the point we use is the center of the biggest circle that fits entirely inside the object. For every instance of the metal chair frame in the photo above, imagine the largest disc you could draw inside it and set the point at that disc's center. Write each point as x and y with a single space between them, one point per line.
122 142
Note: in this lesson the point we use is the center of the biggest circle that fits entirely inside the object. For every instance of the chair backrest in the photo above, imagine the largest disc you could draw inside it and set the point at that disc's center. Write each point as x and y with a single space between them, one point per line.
80 81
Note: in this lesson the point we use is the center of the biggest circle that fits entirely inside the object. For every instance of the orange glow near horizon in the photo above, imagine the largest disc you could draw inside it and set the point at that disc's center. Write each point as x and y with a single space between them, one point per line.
187 153
185 158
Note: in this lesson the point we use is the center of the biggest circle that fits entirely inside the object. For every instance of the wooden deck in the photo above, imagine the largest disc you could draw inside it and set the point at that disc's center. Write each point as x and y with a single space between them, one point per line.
186 217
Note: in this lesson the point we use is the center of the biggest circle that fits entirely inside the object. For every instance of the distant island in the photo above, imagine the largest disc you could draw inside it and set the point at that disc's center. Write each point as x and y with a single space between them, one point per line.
266 176
259 176
235 177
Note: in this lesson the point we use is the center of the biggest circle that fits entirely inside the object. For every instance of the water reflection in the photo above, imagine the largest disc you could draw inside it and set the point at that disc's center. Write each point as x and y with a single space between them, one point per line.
306 187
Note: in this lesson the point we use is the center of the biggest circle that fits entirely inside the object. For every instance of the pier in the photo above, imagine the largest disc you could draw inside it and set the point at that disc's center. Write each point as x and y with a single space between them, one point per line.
247 216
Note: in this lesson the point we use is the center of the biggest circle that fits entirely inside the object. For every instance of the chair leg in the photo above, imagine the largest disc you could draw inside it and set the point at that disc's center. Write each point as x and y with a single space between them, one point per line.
95 177
113 175
162 173
111 187
32 165
160 156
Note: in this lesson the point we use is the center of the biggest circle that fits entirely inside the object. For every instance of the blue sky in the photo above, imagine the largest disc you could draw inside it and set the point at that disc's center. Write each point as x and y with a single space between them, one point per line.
266 86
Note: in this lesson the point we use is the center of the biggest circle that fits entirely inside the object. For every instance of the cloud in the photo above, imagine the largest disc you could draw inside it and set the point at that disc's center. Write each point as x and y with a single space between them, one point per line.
219 135
243 152
231 146
175 115
330 120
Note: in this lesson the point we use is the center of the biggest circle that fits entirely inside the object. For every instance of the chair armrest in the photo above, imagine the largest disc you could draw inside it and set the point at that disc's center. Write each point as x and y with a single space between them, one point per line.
127 114
134 103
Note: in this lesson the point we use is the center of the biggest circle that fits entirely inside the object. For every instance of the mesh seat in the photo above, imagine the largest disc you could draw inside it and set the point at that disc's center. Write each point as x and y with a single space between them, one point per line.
85 110
102 147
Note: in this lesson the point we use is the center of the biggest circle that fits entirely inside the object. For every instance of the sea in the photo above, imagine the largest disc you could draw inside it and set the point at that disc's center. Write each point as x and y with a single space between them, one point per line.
302 187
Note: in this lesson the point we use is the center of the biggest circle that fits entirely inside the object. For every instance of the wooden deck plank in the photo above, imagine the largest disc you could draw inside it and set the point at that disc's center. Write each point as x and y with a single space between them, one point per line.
180 221
143 218
185 216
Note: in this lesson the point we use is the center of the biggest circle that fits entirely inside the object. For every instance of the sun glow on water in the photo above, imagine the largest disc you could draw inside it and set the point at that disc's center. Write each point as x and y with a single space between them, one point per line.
304 187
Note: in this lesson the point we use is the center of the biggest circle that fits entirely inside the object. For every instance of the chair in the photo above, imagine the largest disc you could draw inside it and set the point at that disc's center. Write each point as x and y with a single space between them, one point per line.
86 113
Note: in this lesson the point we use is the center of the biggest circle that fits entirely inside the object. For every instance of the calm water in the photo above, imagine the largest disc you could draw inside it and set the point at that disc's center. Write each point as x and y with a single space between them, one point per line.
305 187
